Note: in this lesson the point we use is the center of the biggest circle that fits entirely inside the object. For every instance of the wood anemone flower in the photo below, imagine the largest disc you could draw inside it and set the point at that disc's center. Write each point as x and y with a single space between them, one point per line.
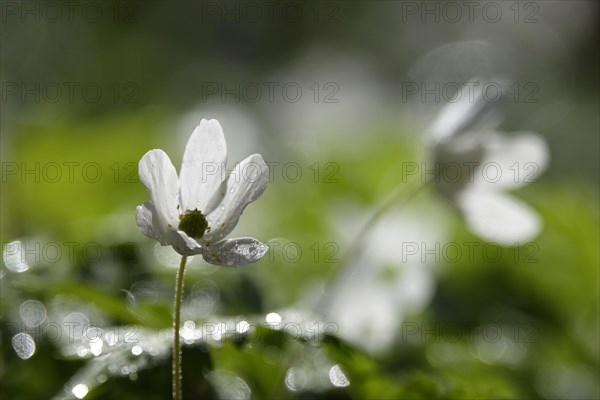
195 211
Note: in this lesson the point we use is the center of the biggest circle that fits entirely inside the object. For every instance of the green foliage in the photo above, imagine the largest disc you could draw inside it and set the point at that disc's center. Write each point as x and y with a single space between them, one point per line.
543 295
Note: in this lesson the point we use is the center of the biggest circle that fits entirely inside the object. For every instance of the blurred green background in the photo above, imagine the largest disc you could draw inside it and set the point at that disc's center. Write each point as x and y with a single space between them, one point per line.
89 87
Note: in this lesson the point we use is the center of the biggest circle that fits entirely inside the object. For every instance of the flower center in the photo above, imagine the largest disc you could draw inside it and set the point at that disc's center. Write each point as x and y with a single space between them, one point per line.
194 223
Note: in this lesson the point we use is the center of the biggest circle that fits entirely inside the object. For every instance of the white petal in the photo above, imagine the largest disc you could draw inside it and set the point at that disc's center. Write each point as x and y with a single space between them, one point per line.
511 162
499 218
235 252
203 166
472 109
245 184
145 218
183 244
160 178
217 198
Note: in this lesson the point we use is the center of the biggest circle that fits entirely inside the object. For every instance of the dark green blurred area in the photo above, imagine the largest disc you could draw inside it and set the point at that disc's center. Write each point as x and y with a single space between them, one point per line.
152 61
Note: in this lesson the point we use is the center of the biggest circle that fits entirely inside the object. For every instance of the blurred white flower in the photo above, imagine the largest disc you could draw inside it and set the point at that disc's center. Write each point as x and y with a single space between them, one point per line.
392 278
477 165
195 211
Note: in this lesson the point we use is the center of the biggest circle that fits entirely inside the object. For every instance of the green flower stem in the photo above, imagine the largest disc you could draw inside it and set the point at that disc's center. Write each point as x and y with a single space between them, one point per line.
176 325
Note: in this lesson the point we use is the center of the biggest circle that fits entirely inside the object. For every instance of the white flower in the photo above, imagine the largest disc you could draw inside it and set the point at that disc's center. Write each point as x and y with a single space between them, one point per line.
195 211
387 282
489 164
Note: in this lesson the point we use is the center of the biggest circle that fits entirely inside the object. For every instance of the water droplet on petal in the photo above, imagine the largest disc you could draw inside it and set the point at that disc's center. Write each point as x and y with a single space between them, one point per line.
242 327
337 377
82 351
14 257
24 345
96 347
111 338
273 319
80 391
136 350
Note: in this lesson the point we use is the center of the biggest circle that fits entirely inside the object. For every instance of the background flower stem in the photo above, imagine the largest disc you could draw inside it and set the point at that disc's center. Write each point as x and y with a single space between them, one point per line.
176 324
